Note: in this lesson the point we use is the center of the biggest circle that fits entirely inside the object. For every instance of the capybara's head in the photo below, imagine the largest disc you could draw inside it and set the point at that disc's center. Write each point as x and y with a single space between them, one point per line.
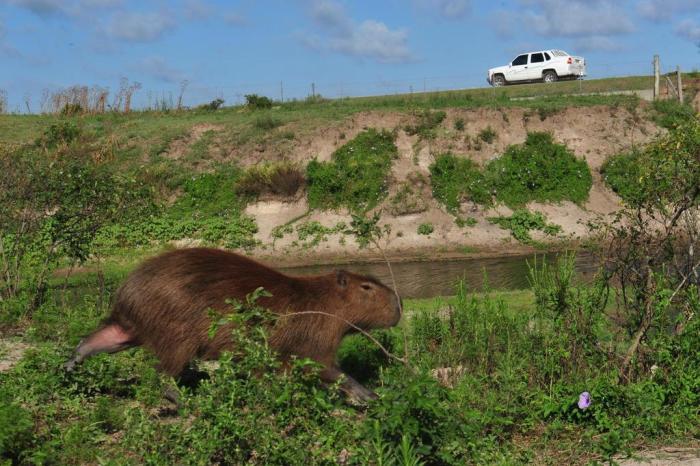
367 302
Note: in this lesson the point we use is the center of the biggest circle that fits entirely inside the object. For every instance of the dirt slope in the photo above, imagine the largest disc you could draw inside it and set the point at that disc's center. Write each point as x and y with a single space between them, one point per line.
594 133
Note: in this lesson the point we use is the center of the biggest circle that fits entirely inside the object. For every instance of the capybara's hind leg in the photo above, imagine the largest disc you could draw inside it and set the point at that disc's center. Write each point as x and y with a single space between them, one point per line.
109 339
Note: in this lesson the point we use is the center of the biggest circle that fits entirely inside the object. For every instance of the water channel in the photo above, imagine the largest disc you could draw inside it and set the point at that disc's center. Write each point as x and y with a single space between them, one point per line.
426 279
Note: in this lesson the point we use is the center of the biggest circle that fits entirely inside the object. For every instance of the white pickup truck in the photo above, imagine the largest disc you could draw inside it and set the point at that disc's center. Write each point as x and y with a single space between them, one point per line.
545 65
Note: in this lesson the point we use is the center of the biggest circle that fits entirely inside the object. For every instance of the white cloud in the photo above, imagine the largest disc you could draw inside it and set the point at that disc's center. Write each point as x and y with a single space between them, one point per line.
596 43
369 39
197 9
665 10
576 18
235 19
139 27
689 29
50 8
450 9
43 8
158 68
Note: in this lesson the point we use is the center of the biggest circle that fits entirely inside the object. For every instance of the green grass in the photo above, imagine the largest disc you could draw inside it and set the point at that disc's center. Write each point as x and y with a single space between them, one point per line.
517 362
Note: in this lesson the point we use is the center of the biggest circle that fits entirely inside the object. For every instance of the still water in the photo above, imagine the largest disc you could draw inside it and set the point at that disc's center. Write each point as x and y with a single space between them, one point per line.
427 279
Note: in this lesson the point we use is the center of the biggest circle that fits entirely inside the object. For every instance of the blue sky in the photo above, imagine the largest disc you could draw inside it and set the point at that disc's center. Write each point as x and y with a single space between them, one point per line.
231 48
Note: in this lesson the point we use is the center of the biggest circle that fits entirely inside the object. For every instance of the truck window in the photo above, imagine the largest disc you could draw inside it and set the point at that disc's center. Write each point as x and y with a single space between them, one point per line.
547 57
536 58
520 60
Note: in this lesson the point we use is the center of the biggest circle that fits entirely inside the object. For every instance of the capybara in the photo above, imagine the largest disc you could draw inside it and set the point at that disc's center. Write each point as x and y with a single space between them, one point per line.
164 305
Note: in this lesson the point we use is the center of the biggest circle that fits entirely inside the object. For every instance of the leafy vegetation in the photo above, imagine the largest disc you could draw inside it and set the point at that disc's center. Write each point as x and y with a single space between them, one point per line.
458 179
485 378
670 113
488 135
539 170
257 102
276 179
428 121
356 176
425 229
522 222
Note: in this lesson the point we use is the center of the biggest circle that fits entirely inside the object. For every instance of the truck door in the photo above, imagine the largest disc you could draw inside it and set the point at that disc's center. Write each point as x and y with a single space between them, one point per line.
518 68
534 69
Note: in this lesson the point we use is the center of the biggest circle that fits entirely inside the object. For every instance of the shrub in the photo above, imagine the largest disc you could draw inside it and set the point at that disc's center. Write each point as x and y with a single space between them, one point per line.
670 113
212 106
425 229
539 170
522 222
488 135
426 124
257 102
621 173
456 179
459 124
277 179
357 175
266 122
61 133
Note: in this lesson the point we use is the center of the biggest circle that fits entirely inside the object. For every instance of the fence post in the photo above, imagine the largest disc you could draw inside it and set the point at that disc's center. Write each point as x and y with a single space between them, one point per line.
680 83
656 77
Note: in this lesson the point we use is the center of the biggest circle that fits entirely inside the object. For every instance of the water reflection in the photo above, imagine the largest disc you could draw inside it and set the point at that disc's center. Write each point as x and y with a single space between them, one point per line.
438 278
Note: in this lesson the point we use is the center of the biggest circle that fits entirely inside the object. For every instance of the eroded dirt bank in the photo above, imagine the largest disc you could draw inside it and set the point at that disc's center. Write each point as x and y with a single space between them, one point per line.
593 133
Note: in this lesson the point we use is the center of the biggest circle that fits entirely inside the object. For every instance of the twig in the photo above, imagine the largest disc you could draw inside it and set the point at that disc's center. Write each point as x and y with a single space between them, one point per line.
386 352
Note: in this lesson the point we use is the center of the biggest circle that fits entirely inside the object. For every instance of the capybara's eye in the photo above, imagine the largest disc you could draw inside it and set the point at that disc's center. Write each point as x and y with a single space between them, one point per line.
365 286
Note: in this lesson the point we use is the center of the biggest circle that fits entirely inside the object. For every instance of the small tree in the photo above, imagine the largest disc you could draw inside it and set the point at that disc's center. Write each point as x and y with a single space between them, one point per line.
650 246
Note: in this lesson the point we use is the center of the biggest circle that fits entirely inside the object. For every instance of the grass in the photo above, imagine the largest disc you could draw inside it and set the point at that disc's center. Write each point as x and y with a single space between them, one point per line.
516 369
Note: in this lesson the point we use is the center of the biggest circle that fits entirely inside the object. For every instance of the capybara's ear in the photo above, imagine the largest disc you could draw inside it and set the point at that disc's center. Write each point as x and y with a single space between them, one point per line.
342 278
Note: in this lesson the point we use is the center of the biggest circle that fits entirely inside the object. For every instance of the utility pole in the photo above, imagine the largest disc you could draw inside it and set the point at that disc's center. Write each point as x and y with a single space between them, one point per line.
656 77
281 92
313 90
680 84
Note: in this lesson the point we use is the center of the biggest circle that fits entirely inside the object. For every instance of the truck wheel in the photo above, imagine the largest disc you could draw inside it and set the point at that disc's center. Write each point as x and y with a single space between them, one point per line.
499 80
549 76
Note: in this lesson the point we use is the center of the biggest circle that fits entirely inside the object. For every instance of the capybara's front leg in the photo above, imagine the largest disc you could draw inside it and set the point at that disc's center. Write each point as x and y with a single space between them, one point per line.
351 387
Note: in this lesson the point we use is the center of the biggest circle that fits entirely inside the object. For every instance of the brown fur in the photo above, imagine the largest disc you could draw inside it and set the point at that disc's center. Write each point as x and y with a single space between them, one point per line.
163 306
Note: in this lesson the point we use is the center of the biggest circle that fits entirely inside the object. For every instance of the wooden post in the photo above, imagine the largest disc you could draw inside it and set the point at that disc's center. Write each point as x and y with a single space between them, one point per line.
656 77
313 90
680 84
281 92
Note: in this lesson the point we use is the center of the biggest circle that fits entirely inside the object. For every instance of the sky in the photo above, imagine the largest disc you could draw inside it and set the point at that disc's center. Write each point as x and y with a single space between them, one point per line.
279 48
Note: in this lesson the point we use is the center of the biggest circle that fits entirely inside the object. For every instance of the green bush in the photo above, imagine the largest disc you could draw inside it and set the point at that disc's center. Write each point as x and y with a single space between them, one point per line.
61 133
257 102
670 113
425 229
212 106
266 122
277 179
621 173
488 135
539 170
357 175
459 124
522 222
209 209
456 179
427 122
664 171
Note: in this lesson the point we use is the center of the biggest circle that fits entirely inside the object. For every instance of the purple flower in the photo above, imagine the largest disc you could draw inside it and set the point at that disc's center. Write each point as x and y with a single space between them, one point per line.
584 400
